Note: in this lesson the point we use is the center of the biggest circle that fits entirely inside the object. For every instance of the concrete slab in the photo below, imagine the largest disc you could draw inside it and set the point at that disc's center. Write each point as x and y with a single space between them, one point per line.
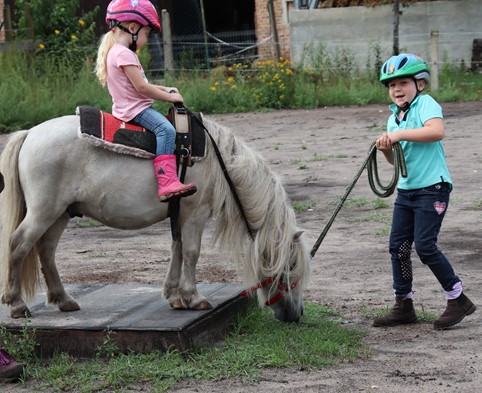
136 315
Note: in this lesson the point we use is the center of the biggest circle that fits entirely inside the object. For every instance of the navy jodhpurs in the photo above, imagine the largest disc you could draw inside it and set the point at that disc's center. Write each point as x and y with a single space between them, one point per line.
417 218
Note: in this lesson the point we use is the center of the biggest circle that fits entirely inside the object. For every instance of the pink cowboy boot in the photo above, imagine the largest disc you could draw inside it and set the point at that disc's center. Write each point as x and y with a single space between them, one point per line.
169 185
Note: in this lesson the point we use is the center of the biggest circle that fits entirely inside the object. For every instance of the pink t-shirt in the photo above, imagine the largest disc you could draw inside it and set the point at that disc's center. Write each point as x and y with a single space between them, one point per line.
126 101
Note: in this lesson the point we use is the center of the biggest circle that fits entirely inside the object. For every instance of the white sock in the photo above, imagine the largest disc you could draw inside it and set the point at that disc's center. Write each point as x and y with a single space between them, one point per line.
407 296
455 292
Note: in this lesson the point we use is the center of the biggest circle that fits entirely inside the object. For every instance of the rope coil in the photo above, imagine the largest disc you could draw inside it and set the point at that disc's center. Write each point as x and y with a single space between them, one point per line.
399 167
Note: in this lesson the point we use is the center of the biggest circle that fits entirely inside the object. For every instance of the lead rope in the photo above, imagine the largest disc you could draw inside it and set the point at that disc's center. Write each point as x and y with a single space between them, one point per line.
377 187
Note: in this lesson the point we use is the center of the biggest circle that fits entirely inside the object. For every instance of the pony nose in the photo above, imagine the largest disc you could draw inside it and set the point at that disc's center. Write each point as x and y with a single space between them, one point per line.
286 311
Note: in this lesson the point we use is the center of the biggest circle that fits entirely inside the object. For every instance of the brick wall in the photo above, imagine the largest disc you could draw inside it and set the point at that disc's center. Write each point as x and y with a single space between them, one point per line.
263 28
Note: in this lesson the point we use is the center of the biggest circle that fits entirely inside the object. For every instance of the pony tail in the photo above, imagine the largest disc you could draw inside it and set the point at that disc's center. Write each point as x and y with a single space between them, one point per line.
12 205
107 41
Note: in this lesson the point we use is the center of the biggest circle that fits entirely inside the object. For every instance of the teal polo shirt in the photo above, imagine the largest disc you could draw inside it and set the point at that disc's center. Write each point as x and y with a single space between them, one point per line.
426 164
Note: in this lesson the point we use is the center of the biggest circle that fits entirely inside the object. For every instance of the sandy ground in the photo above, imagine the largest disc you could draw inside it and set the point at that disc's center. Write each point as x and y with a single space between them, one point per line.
318 152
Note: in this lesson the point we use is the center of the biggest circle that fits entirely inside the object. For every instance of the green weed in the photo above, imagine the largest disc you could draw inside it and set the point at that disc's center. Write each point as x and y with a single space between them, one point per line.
87 223
303 206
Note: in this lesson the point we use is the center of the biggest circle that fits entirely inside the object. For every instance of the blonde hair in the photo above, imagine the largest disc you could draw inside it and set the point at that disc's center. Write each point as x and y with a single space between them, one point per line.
107 41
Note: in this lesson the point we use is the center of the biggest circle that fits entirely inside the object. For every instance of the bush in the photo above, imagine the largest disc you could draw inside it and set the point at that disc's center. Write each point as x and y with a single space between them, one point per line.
59 32
37 88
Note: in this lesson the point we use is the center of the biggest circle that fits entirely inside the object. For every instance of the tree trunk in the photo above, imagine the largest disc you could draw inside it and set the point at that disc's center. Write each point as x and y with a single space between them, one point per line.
396 23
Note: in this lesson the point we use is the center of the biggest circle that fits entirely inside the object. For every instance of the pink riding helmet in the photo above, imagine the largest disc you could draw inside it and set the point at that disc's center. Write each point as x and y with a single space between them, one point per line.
141 11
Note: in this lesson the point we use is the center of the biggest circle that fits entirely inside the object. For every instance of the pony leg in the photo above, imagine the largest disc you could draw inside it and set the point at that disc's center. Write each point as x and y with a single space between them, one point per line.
180 283
22 270
187 286
173 277
192 231
47 246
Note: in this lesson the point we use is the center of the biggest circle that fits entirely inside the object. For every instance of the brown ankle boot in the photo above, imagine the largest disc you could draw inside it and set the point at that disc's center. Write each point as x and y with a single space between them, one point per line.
401 313
456 310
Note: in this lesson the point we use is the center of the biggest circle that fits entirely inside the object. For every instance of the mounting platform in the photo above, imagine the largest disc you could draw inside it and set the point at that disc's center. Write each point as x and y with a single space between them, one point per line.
136 315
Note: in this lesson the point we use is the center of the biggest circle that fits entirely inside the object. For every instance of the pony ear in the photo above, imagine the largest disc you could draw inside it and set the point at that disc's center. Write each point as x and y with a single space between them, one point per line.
297 235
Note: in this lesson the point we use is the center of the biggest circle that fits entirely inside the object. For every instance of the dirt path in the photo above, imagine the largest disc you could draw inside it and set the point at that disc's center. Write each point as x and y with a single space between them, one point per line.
317 153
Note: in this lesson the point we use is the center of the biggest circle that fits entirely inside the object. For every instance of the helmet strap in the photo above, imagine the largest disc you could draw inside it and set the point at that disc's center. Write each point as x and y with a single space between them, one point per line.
133 45
406 106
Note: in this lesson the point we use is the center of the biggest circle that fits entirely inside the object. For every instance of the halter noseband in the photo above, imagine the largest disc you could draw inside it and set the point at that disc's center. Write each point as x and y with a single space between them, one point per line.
281 287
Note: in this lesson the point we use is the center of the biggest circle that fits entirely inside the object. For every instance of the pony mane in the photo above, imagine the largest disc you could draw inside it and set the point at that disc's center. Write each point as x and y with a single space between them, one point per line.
266 206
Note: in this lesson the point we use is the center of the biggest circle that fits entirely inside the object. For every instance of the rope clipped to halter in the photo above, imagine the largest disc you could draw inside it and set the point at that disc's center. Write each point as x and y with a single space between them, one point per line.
382 191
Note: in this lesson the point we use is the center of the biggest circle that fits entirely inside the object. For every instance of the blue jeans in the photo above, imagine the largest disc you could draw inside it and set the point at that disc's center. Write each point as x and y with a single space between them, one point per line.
162 128
417 217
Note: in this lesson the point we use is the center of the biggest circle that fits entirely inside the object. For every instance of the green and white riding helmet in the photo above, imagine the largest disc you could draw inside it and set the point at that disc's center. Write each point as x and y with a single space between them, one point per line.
404 65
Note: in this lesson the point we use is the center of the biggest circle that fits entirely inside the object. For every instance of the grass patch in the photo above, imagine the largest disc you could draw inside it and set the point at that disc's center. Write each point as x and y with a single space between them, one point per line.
382 232
258 341
317 157
477 206
376 217
87 223
380 204
44 87
353 203
303 206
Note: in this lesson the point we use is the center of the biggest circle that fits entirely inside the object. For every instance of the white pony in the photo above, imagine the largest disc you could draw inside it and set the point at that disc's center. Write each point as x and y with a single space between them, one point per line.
52 175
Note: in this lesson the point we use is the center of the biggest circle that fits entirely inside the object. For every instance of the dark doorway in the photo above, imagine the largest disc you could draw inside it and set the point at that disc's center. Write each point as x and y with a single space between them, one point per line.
229 15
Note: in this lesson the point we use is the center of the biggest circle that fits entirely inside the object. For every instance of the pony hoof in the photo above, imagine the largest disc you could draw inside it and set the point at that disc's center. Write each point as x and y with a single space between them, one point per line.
204 305
20 312
177 305
67 307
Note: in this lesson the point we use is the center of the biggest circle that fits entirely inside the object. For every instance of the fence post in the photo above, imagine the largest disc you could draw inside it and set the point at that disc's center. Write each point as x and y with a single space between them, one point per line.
28 22
206 49
167 42
8 23
434 57
274 29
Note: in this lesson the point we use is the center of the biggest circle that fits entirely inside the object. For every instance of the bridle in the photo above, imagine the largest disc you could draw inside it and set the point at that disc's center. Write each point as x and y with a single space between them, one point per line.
282 288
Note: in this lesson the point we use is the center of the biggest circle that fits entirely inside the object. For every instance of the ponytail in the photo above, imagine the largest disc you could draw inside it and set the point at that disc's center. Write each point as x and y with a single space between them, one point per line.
107 41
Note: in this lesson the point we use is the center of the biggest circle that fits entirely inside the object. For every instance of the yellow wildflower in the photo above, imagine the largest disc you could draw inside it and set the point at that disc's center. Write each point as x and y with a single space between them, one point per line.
56 32
213 88
81 22
41 46
73 36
